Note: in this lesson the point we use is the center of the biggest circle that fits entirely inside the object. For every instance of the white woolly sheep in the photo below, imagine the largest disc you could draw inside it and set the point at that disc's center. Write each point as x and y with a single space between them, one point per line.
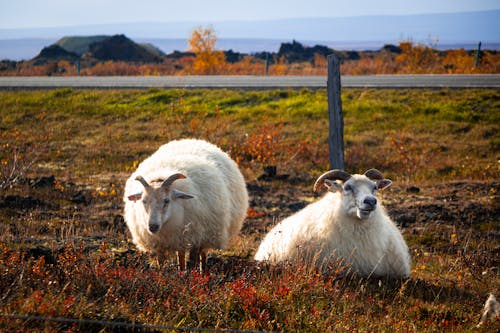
347 224
491 310
188 195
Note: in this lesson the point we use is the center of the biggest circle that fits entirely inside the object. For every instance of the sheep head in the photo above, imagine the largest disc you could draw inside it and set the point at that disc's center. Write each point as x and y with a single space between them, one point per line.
161 203
358 192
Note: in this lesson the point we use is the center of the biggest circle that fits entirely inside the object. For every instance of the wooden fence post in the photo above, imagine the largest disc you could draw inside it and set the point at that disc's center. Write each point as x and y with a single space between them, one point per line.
267 64
478 55
335 115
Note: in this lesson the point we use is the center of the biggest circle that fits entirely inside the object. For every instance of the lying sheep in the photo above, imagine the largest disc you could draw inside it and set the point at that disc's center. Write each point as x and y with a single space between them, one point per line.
491 311
188 195
347 224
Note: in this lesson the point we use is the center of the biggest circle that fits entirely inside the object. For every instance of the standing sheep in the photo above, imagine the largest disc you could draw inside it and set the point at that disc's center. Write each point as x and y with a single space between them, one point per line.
347 224
188 195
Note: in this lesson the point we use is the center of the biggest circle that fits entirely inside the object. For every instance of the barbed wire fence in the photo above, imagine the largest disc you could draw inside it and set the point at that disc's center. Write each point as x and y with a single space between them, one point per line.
123 325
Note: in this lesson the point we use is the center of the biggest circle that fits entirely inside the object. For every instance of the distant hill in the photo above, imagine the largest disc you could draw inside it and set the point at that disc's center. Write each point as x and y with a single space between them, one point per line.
101 48
119 47
54 53
153 49
79 44
297 52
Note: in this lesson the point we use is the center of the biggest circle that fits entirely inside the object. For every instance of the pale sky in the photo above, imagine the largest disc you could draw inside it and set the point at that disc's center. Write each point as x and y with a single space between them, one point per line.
56 13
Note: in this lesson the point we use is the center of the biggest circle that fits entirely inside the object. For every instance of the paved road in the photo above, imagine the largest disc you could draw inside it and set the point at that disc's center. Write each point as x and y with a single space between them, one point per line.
252 82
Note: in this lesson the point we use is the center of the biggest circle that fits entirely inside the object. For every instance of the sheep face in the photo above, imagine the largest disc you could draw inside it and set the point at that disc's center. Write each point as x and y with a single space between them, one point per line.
358 194
161 204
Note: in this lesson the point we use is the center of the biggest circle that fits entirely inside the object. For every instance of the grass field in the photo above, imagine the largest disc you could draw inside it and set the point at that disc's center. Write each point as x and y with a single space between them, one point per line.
65 251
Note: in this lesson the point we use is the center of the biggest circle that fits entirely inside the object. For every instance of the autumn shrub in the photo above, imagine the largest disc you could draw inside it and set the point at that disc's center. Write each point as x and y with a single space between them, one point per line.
405 155
262 145
208 60
383 63
246 66
279 67
457 62
416 59
110 68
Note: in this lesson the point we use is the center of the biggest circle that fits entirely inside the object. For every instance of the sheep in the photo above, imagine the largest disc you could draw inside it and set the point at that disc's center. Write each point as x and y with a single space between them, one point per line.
188 195
491 310
346 225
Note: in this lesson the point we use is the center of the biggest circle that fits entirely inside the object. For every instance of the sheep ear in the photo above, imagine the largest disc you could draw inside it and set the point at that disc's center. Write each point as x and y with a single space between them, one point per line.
332 185
135 197
181 195
383 183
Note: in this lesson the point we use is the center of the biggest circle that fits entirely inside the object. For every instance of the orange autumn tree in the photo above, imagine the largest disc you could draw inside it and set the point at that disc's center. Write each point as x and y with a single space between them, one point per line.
208 60
417 59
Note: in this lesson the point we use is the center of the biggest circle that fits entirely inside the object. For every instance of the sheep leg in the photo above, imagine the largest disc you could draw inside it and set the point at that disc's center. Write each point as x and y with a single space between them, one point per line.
194 258
181 260
204 261
159 260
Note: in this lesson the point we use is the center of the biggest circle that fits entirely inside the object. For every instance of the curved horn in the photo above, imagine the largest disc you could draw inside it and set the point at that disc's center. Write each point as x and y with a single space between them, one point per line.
166 184
332 174
143 182
374 174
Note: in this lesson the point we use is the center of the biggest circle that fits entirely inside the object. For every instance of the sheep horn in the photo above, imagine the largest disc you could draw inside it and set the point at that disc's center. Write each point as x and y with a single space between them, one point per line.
166 184
374 174
332 174
143 182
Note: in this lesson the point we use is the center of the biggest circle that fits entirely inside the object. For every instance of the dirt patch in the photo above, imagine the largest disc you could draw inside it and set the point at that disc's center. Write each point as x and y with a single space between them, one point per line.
53 210
23 203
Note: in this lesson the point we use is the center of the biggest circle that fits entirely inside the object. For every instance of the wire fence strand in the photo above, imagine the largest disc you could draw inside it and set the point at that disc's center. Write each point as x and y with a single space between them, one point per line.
126 325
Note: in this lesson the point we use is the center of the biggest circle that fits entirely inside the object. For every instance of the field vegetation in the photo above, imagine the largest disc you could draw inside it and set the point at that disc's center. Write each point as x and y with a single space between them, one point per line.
66 253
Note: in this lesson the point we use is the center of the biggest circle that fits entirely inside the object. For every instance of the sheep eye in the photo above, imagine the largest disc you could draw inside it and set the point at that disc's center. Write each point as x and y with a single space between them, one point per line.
166 202
348 187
